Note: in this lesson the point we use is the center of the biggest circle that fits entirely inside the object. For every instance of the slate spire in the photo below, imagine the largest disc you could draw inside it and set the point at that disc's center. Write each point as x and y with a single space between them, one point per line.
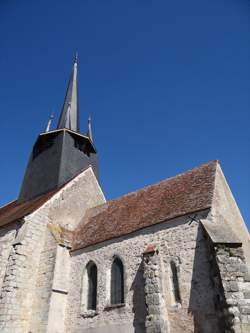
69 117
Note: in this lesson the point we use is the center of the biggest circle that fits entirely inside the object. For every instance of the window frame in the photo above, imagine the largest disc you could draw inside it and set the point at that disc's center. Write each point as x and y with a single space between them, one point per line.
117 285
109 306
86 311
175 283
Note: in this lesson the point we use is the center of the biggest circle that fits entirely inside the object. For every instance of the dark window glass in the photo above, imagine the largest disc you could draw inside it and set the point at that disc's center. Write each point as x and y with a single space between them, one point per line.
117 282
175 281
92 286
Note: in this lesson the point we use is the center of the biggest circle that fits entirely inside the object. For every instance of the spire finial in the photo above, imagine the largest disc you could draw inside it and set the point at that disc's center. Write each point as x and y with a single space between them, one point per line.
51 117
69 117
89 132
76 58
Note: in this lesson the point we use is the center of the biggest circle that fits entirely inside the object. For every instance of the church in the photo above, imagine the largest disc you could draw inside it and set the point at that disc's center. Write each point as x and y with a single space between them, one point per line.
172 257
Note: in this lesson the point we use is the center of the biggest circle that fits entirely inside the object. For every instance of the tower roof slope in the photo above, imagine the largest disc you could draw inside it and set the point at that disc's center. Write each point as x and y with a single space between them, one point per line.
186 193
17 210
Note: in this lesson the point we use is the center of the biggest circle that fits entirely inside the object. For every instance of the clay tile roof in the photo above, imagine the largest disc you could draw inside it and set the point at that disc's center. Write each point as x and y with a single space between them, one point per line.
177 196
17 210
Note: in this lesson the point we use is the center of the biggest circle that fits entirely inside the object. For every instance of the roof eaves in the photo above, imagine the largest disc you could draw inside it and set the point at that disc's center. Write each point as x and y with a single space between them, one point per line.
75 248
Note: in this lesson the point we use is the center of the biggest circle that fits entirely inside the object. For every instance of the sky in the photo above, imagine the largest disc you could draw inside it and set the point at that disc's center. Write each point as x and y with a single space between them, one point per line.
166 83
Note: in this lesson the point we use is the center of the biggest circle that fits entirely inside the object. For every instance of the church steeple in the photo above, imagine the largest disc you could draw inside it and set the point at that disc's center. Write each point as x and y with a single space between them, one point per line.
69 117
61 154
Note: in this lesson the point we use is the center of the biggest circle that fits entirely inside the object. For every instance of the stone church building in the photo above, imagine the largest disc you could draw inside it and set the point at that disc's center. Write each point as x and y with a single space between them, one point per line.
172 257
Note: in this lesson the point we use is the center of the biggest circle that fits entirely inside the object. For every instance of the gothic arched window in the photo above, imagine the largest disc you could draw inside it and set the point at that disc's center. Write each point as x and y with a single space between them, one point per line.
117 282
175 282
92 286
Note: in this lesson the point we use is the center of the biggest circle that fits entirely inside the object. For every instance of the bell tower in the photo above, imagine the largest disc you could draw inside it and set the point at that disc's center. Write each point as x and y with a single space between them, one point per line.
59 155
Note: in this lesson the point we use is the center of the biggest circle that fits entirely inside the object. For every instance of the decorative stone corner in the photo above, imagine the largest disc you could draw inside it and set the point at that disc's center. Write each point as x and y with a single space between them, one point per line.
59 234
151 248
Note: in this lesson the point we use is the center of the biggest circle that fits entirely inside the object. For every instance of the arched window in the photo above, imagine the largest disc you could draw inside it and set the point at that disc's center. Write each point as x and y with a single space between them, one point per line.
175 282
92 286
117 282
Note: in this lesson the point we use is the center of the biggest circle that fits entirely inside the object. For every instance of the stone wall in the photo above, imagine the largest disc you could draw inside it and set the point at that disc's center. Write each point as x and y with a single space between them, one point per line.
30 259
59 290
181 240
235 279
20 276
225 210
70 204
156 319
43 285
7 236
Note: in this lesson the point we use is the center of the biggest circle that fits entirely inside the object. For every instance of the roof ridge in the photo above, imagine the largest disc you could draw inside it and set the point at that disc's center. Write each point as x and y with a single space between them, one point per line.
215 162
214 183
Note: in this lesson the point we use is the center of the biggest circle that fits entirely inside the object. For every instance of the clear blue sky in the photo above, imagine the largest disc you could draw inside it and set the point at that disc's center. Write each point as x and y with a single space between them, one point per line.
166 83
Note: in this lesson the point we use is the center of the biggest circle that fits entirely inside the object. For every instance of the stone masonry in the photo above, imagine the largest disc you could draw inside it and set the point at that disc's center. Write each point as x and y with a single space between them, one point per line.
182 241
29 259
156 319
20 277
235 279
7 236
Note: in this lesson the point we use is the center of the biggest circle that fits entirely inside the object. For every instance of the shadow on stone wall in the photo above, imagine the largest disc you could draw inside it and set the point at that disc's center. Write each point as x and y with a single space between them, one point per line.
207 301
139 303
